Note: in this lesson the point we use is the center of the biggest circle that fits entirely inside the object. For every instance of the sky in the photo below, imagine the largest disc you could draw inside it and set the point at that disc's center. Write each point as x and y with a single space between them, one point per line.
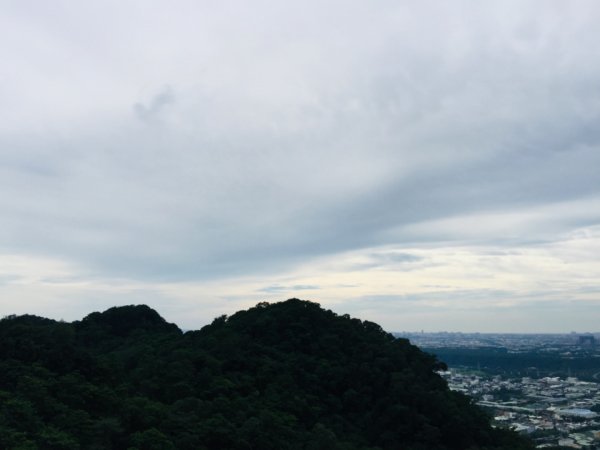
424 165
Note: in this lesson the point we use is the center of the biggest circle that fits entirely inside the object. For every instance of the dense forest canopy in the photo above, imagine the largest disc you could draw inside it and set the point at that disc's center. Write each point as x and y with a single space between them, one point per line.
287 375
534 362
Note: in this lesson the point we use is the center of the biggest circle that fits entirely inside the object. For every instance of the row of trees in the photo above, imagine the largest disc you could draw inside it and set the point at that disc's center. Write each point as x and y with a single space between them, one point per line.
529 363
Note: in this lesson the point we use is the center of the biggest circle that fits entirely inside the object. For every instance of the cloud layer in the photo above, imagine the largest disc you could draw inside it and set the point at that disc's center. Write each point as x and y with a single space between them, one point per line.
157 153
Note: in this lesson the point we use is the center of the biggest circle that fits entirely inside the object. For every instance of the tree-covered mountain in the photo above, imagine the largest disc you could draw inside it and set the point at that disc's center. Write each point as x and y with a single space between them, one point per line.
288 375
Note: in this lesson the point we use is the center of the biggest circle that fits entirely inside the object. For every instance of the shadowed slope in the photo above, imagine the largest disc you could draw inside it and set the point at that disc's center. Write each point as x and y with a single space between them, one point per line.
288 375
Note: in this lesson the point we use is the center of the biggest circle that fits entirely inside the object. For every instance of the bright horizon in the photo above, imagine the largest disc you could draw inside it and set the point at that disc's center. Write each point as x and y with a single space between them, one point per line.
420 165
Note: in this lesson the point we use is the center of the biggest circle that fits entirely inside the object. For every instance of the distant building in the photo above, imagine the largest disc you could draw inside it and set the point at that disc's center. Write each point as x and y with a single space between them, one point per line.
587 340
522 428
577 412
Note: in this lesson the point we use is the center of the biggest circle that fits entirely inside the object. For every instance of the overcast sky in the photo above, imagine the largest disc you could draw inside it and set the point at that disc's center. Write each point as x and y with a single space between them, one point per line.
424 165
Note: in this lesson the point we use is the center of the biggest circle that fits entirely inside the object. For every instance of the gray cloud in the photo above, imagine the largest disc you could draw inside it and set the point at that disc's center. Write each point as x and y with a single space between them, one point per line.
387 259
6 279
293 136
276 288
150 112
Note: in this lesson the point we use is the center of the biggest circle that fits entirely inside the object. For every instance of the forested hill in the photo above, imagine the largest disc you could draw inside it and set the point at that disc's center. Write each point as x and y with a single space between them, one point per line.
288 375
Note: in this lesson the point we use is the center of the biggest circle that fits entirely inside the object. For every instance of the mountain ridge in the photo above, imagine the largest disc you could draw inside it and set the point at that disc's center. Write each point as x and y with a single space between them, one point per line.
276 376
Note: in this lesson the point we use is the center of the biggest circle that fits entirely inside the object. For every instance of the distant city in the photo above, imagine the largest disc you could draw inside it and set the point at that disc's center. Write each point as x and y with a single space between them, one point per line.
553 411
544 385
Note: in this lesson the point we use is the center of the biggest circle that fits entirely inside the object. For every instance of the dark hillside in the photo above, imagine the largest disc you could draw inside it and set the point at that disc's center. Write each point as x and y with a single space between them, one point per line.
288 375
